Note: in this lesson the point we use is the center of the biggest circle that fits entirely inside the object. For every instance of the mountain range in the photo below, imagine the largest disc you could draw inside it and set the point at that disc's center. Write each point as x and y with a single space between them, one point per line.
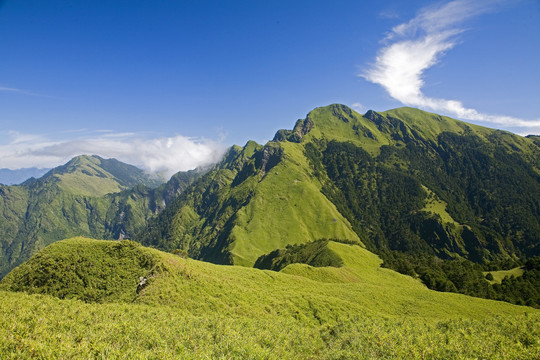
402 180
325 243
91 196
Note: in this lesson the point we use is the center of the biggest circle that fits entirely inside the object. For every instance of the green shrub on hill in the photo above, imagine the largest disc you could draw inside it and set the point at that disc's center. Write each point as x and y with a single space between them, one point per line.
84 269
315 254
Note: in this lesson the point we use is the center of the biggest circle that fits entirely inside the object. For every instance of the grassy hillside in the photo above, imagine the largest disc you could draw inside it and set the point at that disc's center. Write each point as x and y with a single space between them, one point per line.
95 176
192 309
256 200
499 275
85 269
403 180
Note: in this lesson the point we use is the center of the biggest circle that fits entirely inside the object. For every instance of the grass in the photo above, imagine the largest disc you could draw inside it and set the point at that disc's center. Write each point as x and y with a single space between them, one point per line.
354 131
499 275
42 327
300 212
87 178
437 206
89 270
196 310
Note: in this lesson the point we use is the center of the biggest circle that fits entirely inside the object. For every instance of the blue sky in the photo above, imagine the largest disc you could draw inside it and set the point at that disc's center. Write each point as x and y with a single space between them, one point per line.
169 84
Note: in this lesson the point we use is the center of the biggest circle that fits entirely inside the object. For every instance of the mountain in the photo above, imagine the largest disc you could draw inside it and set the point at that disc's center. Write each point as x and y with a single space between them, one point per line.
257 199
407 184
90 196
94 176
318 218
13 177
120 299
436 198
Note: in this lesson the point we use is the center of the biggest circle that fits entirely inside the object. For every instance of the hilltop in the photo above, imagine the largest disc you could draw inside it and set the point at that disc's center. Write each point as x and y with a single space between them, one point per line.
449 184
95 176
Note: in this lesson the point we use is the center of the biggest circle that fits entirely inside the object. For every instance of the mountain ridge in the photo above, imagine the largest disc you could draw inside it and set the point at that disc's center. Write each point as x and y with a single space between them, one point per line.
404 183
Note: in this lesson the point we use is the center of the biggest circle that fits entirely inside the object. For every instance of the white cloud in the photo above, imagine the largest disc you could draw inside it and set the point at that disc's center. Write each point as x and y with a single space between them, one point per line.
358 107
167 154
413 47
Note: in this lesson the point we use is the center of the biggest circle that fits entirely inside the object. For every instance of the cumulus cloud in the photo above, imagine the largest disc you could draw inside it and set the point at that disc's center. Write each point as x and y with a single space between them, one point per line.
165 154
414 46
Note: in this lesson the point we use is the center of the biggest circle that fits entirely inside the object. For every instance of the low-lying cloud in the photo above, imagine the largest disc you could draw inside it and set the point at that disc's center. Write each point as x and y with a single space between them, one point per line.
165 154
413 47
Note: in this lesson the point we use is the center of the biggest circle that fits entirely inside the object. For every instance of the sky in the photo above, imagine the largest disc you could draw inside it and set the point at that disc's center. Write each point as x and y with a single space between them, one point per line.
169 85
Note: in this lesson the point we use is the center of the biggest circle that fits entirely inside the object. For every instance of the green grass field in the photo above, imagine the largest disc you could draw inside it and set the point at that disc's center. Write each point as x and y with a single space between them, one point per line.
192 309
499 275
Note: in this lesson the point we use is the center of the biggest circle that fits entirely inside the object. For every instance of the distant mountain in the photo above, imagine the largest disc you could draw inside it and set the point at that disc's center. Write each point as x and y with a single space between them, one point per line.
90 196
408 184
14 177
95 176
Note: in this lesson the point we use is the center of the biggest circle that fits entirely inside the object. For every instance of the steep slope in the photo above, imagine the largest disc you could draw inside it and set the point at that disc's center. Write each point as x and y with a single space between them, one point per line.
438 185
94 176
189 309
257 199
88 196
404 180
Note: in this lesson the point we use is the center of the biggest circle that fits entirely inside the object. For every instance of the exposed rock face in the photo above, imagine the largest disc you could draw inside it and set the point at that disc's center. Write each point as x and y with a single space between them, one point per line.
301 128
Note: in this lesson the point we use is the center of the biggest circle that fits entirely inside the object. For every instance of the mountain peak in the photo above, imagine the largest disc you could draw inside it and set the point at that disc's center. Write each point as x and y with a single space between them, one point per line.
92 175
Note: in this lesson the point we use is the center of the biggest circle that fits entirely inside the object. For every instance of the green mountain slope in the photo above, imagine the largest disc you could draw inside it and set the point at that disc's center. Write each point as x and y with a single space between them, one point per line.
256 200
94 176
401 182
187 308
88 196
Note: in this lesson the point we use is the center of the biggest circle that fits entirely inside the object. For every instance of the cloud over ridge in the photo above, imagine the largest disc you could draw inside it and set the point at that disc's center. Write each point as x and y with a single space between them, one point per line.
165 154
415 46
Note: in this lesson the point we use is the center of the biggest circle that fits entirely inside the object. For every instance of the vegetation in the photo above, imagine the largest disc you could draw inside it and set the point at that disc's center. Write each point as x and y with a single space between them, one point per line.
88 196
518 286
403 181
89 270
451 206
192 309
315 254
256 200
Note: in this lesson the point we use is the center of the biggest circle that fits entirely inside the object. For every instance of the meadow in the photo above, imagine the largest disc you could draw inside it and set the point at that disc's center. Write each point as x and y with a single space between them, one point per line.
194 310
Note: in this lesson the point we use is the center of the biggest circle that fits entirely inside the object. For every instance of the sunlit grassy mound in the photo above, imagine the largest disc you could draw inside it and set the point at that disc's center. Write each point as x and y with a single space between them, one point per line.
192 309
85 269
